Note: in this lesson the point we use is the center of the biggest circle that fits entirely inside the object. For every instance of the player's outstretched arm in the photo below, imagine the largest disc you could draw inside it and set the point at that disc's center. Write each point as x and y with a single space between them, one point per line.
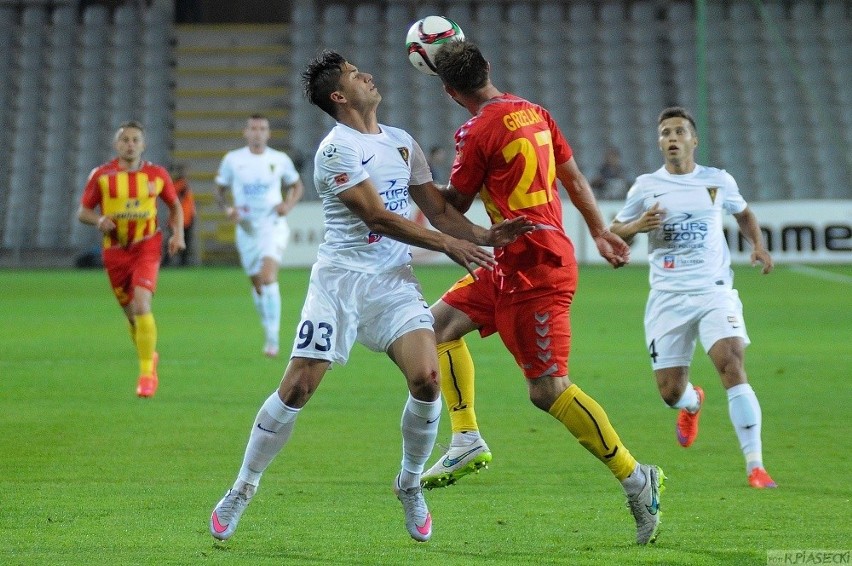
177 243
750 228
650 220
292 195
449 219
363 200
103 223
611 247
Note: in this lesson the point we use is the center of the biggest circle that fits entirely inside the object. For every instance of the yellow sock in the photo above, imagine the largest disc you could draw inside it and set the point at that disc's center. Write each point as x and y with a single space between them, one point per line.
588 422
146 342
457 373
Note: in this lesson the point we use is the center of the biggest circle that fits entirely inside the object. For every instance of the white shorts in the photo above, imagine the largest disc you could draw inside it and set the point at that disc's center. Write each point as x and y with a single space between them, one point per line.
259 240
344 306
674 321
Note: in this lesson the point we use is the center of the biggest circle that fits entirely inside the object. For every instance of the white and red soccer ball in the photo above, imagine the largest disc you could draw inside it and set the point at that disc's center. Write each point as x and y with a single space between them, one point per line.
426 36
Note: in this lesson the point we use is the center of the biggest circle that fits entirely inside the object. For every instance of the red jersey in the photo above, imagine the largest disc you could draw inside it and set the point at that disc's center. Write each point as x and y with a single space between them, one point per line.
129 198
508 152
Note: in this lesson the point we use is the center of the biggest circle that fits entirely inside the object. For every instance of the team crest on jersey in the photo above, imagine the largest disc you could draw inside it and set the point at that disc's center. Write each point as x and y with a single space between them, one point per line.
712 192
403 151
668 262
372 238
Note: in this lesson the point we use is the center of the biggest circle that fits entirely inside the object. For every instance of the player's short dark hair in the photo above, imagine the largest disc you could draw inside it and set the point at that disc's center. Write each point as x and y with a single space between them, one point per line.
678 112
322 77
257 116
132 124
129 124
461 66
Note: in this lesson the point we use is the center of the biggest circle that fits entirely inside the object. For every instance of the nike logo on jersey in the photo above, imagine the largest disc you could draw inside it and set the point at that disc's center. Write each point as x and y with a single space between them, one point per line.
658 195
365 161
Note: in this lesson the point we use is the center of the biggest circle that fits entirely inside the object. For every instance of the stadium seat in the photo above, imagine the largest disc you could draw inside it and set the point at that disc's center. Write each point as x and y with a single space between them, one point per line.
549 24
642 13
581 23
460 12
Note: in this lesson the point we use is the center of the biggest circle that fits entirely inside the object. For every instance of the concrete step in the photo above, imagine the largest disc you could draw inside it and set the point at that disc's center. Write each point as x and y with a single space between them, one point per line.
220 141
206 78
189 120
231 56
235 35
207 162
229 98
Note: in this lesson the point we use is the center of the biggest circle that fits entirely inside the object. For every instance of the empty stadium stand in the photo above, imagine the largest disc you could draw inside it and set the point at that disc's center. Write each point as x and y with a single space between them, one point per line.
779 90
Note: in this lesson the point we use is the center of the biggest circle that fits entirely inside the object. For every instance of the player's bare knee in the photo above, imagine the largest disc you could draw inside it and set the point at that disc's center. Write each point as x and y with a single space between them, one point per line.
732 373
671 396
542 398
671 390
425 385
296 392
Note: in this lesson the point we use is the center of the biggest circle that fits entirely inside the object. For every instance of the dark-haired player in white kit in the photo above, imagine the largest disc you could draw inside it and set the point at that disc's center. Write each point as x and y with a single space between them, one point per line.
362 287
681 206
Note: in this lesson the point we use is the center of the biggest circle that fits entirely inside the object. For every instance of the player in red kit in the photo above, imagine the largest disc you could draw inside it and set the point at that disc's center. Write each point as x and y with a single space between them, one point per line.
510 153
126 190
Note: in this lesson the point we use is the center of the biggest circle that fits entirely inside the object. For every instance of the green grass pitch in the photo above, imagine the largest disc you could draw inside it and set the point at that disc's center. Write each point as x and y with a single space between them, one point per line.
89 474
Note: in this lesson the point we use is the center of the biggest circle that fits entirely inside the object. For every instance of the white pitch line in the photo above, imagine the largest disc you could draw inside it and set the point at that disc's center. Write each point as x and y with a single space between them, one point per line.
821 274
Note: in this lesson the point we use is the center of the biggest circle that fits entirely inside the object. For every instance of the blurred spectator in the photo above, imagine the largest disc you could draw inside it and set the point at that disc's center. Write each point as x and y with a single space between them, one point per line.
611 182
187 202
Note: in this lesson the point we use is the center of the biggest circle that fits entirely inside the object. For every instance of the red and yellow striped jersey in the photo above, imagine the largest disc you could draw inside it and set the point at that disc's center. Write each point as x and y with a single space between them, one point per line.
129 198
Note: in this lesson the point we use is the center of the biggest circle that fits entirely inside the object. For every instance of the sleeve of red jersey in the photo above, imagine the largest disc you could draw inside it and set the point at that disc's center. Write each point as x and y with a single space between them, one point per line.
562 151
91 195
168 194
467 174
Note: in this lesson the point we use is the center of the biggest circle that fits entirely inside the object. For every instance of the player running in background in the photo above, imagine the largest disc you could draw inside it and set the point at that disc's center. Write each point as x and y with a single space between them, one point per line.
510 153
681 206
257 175
126 190
362 287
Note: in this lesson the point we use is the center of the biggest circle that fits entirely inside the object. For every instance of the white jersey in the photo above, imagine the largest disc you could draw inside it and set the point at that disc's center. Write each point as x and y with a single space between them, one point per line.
688 253
392 161
255 181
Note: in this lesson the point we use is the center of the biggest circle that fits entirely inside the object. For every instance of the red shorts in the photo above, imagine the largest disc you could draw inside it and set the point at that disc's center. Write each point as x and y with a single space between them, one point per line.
137 265
530 310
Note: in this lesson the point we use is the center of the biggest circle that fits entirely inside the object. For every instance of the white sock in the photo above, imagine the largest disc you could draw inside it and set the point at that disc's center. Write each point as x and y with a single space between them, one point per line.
465 437
689 400
269 433
747 419
419 431
635 481
270 298
255 296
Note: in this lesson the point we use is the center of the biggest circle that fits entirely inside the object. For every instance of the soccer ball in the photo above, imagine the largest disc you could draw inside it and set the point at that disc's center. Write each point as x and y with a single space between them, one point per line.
426 36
